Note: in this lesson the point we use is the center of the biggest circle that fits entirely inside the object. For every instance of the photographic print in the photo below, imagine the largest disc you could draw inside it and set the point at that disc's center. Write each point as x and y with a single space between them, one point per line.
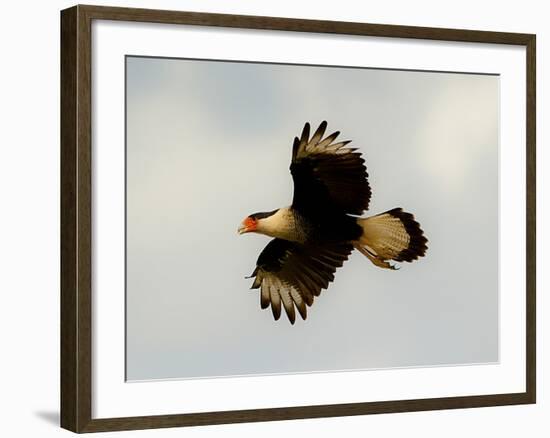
268 218
370 230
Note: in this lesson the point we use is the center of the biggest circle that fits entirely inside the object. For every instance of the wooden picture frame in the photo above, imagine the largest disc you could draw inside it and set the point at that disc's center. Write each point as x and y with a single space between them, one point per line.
76 218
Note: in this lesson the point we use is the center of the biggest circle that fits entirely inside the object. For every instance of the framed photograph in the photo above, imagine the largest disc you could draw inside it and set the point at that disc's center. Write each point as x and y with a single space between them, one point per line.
271 218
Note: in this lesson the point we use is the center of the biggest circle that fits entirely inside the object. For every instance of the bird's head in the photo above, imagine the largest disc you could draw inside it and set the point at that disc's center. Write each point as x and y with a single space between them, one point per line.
254 222
248 225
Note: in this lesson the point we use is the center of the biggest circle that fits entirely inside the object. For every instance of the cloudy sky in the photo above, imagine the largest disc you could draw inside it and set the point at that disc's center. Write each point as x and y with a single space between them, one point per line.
210 142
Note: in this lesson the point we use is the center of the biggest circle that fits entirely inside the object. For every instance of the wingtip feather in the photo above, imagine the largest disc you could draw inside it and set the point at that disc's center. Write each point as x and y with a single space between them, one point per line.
304 138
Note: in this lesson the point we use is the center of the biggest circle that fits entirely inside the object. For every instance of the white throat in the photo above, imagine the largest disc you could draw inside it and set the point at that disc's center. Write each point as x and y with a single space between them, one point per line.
282 225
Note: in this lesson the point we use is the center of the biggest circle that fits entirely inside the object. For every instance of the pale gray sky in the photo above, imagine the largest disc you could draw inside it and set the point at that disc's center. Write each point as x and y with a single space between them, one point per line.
210 142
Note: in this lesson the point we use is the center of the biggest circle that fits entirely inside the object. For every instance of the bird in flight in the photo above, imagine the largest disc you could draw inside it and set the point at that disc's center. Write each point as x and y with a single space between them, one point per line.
317 233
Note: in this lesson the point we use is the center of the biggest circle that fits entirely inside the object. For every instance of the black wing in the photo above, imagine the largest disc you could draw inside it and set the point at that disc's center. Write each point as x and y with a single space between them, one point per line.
328 175
293 274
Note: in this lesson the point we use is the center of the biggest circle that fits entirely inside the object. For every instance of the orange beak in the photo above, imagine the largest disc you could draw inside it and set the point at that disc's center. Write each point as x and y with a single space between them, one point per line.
248 225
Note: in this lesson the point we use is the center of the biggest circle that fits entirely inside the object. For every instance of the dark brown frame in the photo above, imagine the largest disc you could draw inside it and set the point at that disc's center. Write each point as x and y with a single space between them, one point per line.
76 237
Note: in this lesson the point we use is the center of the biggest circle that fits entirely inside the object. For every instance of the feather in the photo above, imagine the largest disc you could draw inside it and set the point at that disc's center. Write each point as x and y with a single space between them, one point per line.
319 133
299 302
293 273
265 297
328 175
393 235
275 304
305 135
288 304
328 140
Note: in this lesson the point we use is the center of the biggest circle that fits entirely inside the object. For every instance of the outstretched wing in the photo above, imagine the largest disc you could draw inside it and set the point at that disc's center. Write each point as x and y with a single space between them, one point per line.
292 274
328 175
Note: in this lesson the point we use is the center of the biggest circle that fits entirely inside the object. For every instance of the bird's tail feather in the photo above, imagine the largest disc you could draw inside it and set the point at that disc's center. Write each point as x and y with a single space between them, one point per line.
392 235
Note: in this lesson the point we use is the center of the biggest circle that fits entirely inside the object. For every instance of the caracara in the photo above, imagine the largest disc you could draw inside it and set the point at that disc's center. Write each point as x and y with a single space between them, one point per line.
317 233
